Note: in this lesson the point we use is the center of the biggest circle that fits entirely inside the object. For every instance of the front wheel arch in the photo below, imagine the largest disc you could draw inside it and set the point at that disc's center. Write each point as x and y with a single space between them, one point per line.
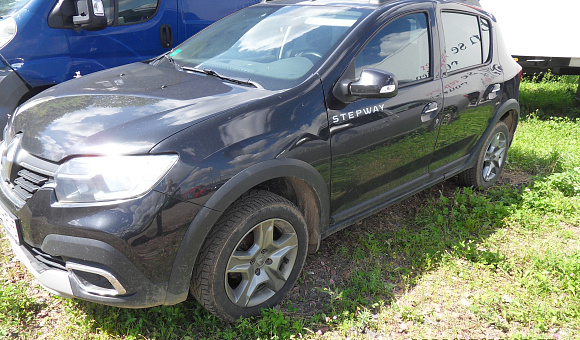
252 256
312 199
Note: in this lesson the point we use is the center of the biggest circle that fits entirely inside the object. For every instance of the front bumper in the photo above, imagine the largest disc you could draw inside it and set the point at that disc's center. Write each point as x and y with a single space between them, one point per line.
54 280
72 275
120 254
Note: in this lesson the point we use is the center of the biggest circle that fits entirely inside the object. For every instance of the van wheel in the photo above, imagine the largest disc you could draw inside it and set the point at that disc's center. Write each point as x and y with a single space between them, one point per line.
490 161
252 257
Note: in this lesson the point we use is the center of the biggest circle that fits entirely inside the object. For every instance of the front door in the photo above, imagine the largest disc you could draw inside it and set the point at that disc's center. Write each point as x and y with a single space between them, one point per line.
380 146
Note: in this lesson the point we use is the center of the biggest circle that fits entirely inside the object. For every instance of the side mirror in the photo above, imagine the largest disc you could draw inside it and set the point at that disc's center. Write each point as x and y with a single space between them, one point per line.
90 15
374 84
371 84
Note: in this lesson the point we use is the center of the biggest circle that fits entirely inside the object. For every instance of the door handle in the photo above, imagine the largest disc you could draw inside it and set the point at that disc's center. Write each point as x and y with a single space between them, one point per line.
494 91
166 36
339 128
429 112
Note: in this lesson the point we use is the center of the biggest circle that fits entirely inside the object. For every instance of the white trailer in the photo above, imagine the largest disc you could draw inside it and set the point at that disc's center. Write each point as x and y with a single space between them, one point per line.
541 35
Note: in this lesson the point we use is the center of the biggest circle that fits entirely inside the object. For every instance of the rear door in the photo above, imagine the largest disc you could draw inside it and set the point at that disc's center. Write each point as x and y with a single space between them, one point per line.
383 147
471 86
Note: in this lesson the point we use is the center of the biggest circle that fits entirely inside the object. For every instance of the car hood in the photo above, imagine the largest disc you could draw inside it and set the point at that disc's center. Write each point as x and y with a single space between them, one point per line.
125 110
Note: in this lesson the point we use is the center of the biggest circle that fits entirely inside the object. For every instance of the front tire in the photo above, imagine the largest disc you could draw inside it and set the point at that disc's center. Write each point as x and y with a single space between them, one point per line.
252 257
490 161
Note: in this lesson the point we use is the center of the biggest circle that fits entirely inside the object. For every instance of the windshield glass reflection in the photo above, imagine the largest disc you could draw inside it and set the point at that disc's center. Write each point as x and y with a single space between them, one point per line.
8 7
274 46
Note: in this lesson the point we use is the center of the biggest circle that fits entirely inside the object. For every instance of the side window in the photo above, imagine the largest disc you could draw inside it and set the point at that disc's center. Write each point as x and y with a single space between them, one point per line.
135 11
485 39
467 41
109 11
402 48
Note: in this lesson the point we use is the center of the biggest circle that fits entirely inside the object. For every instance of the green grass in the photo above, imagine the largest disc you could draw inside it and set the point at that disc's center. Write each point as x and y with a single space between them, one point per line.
16 307
545 146
449 262
546 96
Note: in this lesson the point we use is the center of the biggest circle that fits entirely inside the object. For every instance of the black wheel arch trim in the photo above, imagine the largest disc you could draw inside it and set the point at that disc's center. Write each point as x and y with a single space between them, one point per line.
509 105
227 194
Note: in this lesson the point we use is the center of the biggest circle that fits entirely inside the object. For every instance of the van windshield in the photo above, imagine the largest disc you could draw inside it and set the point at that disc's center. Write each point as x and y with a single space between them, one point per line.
275 46
8 7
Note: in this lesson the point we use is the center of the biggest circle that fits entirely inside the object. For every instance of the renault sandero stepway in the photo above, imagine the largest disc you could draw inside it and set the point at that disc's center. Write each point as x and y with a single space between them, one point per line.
217 167
46 42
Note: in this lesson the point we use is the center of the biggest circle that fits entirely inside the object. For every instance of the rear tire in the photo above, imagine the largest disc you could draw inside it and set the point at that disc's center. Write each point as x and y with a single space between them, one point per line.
252 257
490 161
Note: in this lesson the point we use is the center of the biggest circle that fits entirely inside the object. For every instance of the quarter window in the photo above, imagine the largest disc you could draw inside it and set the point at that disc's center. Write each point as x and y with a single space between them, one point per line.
485 39
467 40
401 47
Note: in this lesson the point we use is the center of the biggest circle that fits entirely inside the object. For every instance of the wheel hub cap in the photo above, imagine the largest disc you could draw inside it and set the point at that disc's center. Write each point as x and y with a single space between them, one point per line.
261 263
494 156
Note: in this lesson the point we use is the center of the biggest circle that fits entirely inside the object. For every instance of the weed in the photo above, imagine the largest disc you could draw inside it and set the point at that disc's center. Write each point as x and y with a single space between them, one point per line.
16 306
542 147
548 96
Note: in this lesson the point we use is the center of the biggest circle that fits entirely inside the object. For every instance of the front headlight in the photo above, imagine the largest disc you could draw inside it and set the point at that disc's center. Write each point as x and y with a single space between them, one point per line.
7 30
98 179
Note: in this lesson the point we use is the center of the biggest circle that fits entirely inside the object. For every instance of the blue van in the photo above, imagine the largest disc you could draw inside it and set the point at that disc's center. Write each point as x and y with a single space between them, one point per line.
45 42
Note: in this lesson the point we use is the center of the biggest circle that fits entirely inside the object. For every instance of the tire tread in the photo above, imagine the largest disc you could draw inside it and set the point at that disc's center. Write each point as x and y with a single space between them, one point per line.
201 282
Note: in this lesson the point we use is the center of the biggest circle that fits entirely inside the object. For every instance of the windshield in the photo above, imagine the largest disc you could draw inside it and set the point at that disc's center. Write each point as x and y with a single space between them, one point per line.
276 46
7 7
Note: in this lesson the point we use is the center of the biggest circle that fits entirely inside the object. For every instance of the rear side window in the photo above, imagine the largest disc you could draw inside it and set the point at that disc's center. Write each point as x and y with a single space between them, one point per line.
402 48
467 40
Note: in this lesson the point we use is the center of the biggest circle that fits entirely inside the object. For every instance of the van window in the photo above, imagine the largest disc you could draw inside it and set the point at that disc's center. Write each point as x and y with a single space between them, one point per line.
467 42
129 12
135 11
401 47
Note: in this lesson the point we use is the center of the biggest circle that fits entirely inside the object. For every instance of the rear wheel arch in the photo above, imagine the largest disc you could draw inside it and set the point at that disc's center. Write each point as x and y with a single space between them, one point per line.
295 180
507 114
511 119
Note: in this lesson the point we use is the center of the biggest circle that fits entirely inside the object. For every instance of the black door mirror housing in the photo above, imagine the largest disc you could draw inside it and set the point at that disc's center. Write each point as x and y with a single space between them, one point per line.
90 15
372 83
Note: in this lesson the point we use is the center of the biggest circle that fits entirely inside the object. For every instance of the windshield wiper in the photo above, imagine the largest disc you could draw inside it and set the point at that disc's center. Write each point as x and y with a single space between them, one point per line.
221 76
172 61
156 60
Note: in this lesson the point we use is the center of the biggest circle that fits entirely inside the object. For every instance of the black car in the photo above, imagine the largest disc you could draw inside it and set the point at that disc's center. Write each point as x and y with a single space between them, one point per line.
217 167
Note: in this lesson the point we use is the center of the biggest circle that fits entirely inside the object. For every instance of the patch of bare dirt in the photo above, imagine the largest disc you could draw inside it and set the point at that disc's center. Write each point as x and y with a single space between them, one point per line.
330 267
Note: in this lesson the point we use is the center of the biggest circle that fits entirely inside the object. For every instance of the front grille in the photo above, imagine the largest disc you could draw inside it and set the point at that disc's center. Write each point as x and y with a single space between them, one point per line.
22 174
28 182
